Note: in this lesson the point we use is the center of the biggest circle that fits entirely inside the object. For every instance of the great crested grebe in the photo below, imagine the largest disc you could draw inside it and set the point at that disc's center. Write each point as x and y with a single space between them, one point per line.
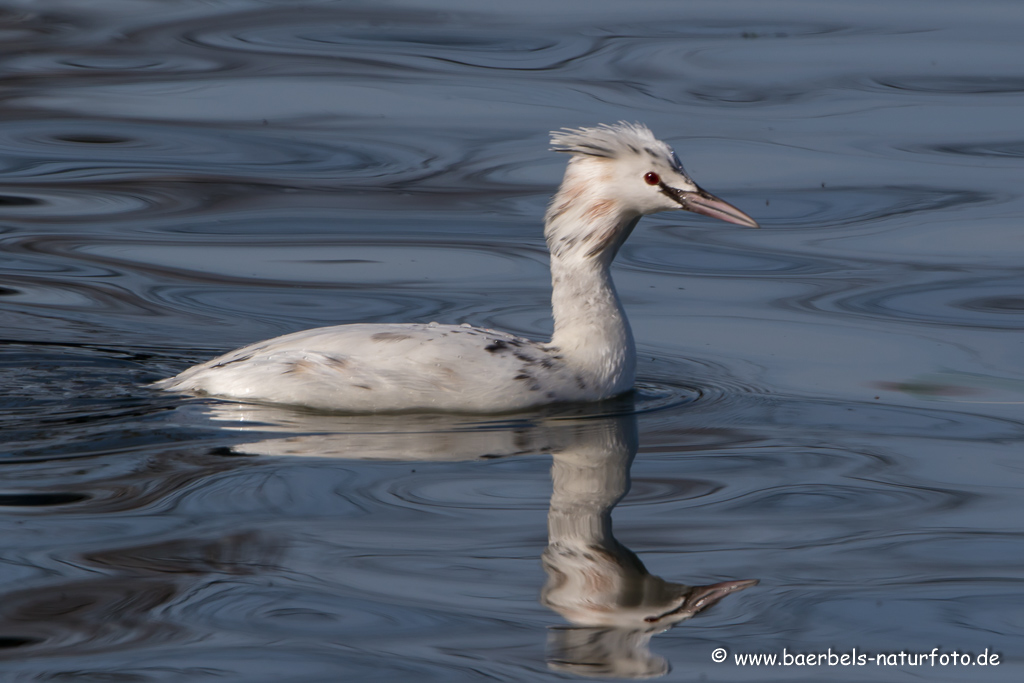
616 174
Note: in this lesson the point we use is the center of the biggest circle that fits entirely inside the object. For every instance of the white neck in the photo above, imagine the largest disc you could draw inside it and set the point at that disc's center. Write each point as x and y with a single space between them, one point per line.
589 476
591 329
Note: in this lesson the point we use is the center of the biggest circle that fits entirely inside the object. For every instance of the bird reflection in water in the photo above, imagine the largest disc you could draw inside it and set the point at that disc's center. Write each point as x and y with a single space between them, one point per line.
595 582
614 605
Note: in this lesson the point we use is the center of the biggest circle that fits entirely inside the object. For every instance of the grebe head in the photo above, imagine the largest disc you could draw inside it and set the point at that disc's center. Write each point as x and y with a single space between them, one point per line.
629 171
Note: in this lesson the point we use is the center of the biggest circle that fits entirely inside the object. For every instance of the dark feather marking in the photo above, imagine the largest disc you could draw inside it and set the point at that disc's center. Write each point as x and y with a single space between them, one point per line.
603 242
236 360
362 386
563 245
587 148
495 346
529 360
580 383
525 377
389 337
338 363
556 213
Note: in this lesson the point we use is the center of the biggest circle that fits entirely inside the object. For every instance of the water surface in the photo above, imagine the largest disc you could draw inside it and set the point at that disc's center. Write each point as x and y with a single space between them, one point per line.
830 405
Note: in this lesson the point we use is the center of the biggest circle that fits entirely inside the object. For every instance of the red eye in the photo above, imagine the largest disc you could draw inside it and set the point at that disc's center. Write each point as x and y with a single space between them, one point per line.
652 178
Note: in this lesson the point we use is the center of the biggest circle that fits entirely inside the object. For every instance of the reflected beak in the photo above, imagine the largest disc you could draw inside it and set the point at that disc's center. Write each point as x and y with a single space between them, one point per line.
709 205
702 597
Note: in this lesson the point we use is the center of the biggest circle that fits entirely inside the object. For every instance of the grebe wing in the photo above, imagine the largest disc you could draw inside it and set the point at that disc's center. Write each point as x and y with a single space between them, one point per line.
383 367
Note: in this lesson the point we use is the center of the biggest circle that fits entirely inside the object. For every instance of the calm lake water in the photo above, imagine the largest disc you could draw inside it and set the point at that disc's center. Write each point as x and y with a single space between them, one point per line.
831 405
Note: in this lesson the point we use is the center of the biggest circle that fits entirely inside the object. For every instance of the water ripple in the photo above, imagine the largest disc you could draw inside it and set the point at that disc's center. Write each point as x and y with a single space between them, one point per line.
416 41
97 615
303 611
38 499
91 150
72 65
111 410
981 84
996 149
90 202
838 206
704 259
995 302
841 501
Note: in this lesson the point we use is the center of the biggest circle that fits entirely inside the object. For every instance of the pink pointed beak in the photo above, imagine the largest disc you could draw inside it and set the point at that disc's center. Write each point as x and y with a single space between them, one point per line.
707 204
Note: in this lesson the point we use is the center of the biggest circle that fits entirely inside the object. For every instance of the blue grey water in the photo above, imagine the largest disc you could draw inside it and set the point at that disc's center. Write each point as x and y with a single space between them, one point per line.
832 405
